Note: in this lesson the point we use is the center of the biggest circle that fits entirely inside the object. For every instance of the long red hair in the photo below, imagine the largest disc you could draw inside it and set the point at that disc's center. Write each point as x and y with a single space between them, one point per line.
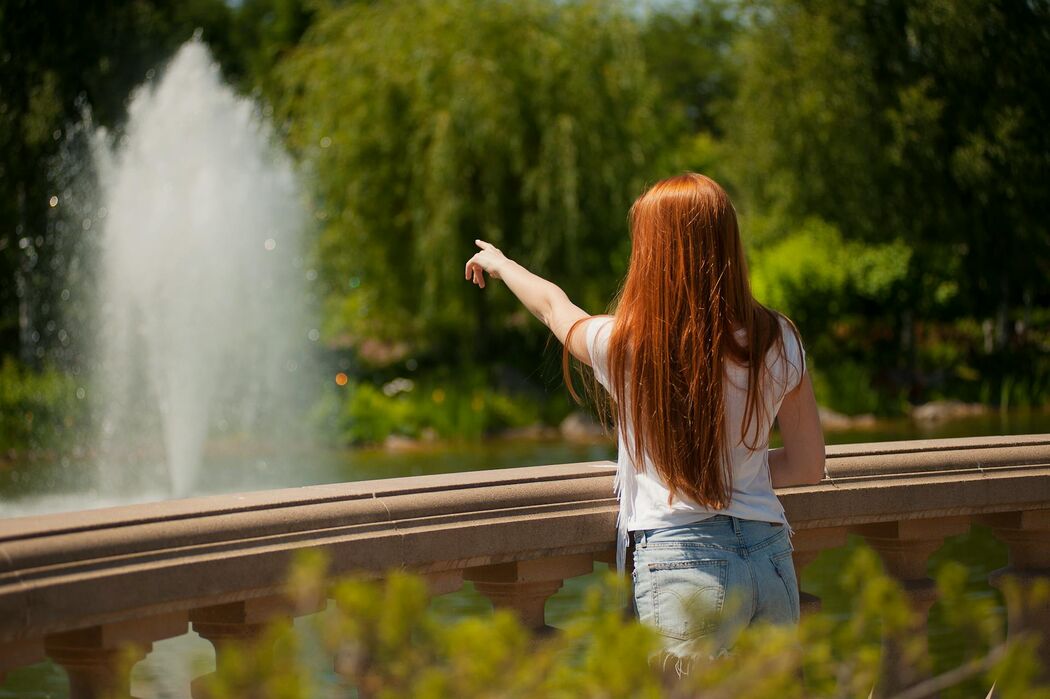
685 294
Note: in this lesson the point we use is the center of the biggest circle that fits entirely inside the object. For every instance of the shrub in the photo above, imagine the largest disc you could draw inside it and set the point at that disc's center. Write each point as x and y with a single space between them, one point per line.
389 643
446 406
40 408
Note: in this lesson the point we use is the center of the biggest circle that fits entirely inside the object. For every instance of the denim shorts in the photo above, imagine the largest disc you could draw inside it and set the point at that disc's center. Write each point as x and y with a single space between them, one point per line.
707 580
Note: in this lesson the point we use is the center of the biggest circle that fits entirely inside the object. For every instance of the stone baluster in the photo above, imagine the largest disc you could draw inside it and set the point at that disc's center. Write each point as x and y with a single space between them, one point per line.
443 582
808 543
98 659
905 549
608 556
1027 536
241 622
16 654
525 586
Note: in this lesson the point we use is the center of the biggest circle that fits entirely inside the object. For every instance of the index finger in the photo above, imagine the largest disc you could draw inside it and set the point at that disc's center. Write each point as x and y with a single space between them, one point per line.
483 245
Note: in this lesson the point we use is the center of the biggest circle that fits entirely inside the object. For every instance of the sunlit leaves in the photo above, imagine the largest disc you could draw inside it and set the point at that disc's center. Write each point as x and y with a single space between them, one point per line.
387 643
429 124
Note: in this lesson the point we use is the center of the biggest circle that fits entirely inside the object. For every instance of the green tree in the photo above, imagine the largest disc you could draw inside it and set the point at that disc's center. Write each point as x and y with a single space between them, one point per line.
982 73
688 46
262 33
912 124
428 124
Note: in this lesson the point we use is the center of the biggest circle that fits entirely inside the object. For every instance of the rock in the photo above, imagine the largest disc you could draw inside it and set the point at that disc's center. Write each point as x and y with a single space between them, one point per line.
864 421
533 431
833 421
581 427
939 410
398 442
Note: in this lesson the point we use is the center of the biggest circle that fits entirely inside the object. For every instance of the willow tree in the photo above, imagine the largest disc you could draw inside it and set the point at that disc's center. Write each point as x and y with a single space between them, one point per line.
427 124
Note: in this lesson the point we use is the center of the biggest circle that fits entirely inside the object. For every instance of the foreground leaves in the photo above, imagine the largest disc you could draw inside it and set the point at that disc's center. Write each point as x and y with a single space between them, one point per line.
386 641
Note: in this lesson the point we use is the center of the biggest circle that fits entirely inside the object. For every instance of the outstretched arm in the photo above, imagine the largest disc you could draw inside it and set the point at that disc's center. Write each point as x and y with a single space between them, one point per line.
543 299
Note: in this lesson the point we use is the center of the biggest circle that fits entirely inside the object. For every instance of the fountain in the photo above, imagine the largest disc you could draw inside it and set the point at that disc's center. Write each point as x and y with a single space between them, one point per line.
201 323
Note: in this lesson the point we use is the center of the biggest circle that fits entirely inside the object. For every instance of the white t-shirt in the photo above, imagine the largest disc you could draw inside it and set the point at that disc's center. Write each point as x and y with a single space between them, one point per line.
643 493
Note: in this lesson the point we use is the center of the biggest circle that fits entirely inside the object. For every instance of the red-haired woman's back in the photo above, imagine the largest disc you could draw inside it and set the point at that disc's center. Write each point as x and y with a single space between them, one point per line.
694 370
648 499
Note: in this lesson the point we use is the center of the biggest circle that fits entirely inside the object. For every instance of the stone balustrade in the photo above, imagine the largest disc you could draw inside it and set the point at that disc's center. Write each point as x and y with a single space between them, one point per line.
83 587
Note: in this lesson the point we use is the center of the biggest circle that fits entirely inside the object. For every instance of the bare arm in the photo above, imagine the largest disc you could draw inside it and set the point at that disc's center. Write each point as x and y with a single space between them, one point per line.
801 460
543 299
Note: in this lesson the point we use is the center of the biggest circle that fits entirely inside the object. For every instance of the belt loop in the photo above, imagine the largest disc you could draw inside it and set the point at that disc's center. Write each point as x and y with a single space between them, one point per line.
641 538
736 525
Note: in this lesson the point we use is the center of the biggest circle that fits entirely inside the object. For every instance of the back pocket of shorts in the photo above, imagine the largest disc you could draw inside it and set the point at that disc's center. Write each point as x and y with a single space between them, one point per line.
688 596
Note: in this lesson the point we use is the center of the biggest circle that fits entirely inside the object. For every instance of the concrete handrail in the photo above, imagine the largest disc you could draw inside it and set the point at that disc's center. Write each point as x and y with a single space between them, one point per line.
64 571
887 459
73 570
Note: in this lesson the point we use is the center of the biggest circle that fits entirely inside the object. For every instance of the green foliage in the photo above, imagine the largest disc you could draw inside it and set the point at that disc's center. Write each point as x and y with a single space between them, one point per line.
902 121
845 386
827 284
429 124
442 405
812 272
263 32
39 408
686 46
388 643
799 128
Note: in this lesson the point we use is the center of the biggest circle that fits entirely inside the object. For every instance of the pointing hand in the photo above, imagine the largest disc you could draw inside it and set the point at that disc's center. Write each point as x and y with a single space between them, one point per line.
489 259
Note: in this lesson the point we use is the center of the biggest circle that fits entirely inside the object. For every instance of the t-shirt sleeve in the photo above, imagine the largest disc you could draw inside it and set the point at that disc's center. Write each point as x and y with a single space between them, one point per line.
599 331
795 354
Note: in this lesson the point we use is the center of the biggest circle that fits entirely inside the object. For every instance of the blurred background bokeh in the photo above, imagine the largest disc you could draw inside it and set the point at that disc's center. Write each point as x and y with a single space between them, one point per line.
889 160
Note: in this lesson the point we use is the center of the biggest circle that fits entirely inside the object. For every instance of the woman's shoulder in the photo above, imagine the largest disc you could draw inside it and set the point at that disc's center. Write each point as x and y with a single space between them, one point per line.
790 338
785 322
599 327
790 358
598 331
789 332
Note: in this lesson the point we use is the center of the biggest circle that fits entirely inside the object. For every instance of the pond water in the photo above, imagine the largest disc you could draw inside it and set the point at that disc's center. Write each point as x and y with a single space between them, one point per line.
51 486
56 485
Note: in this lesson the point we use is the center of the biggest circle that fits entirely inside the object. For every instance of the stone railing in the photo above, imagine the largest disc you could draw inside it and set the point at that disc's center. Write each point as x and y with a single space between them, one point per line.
81 587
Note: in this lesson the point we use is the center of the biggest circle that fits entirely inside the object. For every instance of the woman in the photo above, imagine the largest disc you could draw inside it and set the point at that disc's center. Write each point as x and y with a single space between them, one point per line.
696 370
